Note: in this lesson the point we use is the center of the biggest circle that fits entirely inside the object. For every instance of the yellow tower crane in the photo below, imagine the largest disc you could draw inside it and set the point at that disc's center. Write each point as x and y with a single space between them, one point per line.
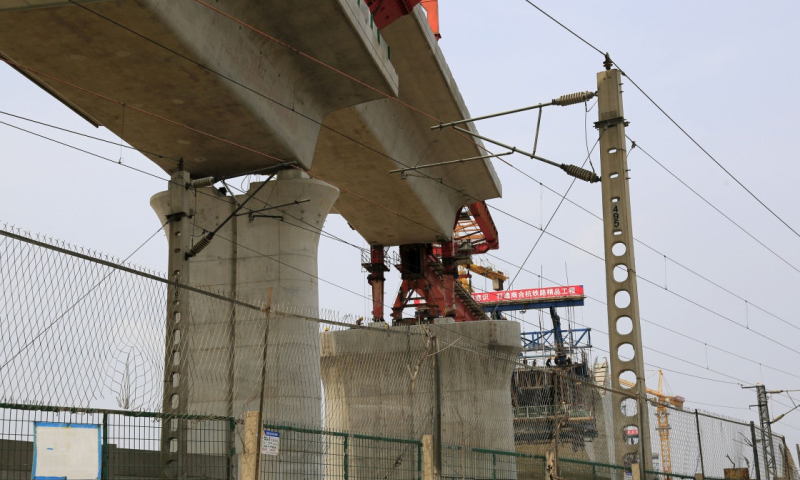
662 415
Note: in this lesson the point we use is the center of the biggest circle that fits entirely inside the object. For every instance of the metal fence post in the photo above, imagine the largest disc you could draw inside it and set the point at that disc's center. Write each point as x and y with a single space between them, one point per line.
232 443
700 443
346 458
494 466
419 460
104 473
755 450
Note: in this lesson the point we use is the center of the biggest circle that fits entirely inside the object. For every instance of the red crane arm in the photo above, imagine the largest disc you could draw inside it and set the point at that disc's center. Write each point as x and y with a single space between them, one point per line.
480 212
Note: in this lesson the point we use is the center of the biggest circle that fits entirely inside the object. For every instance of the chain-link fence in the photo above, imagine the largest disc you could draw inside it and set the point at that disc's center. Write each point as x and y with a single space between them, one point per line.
344 400
692 442
129 442
130 446
569 413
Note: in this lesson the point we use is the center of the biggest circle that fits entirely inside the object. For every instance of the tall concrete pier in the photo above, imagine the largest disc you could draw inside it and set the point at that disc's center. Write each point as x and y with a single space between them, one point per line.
382 382
275 249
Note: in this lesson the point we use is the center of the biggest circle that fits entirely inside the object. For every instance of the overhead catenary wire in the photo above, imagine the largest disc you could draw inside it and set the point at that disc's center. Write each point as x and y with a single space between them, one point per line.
511 165
159 178
512 217
668 257
318 278
549 221
659 325
206 240
168 180
73 147
72 306
294 49
717 209
262 33
543 230
567 99
673 121
92 137
558 101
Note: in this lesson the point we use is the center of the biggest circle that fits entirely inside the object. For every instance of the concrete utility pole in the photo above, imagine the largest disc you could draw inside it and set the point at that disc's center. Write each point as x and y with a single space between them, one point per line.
621 290
173 431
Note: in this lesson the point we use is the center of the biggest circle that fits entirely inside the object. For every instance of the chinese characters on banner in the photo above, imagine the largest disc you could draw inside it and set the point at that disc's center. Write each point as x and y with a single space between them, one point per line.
529 294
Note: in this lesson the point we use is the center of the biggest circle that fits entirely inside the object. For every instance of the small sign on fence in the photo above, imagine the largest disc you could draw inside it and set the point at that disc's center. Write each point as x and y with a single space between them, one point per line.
66 450
270 443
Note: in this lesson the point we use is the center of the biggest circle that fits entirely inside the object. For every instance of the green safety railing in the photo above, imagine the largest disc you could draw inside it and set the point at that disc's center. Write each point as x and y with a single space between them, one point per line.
333 454
130 443
131 449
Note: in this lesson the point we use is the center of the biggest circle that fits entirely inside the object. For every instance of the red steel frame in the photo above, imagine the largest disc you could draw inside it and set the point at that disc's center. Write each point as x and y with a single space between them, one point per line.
429 271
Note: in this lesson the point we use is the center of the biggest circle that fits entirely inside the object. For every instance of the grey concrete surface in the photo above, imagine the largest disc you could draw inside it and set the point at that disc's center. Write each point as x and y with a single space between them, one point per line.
381 382
228 100
246 259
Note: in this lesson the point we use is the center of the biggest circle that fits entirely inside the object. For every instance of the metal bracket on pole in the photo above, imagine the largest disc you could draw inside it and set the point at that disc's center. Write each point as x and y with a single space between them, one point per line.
572 170
611 122
440 164
563 101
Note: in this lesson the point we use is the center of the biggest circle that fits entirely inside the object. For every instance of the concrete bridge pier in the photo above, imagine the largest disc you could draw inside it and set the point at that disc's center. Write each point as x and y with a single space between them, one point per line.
380 382
222 345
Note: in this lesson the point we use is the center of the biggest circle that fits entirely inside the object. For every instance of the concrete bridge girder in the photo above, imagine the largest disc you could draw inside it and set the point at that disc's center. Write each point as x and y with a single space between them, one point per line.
70 43
62 46
386 134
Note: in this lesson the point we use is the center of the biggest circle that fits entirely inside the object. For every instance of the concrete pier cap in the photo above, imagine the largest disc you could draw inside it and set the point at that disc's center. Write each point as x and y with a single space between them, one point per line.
381 381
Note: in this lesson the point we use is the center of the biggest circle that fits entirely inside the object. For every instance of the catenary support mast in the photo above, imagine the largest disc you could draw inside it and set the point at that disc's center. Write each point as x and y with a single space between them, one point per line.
173 429
621 290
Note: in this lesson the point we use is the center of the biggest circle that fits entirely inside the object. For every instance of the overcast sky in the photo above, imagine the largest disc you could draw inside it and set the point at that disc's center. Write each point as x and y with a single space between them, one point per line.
725 71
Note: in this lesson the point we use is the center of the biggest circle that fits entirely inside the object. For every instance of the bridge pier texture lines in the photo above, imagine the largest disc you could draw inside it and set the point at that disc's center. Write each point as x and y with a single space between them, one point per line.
252 255
381 382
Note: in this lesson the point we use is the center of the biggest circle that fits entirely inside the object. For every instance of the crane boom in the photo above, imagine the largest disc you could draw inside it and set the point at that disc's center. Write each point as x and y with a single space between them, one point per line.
487 272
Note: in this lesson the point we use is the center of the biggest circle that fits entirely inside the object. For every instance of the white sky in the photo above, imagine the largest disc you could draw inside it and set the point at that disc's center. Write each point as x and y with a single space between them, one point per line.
725 71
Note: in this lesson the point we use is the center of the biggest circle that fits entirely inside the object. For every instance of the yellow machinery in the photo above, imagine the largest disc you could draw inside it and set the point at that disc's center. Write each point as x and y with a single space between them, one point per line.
662 416
497 277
